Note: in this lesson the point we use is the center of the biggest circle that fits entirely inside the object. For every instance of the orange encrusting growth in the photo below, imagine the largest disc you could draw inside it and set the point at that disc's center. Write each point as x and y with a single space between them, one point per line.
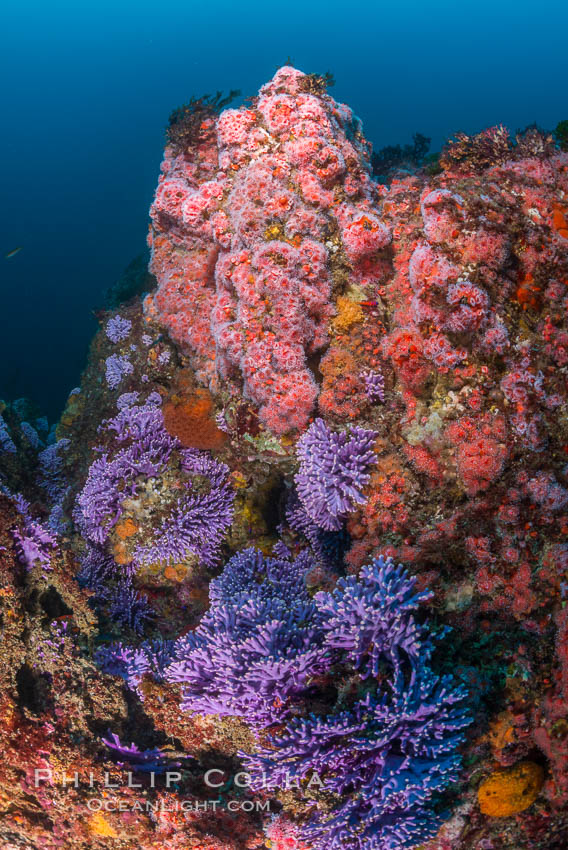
560 220
191 421
508 792
98 825
126 528
529 293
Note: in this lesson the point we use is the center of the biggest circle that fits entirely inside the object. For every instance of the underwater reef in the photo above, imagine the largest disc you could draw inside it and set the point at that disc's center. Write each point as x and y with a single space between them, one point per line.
291 571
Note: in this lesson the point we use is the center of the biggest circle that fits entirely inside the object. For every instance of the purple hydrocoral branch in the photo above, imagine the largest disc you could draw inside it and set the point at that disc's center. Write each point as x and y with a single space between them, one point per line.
34 544
196 527
389 753
117 367
259 650
196 521
6 442
113 589
369 618
258 644
128 607
199 521
30 434
384 758
111 479
117 328
301 523
132 663
144 761
51 469
374 386
221 423
126 400
53 481
327 546
97 572
333 472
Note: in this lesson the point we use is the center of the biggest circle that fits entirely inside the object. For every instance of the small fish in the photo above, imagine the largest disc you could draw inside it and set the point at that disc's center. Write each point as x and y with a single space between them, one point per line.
13 252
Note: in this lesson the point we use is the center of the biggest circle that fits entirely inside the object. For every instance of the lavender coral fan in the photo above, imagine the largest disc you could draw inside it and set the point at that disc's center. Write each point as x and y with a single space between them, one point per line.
199 521
258 644
333 471
6 442
34 543
118 328
374 386
388 754
117 367
192 524
385 758
370 618
143 761
132 663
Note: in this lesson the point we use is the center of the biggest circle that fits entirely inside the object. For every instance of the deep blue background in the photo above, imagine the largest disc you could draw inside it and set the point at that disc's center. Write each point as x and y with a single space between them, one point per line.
87 90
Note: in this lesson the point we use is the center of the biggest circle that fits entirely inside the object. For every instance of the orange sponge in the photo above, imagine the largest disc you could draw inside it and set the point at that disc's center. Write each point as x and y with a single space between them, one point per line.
507 792
190 419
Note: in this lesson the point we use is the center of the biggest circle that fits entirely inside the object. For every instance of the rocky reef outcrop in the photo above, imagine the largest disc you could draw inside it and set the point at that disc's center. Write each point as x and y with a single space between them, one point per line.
202 592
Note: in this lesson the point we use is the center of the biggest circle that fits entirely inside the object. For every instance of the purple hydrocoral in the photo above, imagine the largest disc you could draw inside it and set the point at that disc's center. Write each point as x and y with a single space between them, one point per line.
128 607
197 520
257 654
328 547
374 386
143 761
118 328
98 572
200 519
258 644
127 399
384 758
53 481
113 589
117 367
389 753
132 663
30 434
301 523
34 544
6 442
145 448
333 471
353 627
51 469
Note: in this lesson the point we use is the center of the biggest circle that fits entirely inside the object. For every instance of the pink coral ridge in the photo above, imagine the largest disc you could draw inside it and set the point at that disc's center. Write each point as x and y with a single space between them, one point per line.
240 241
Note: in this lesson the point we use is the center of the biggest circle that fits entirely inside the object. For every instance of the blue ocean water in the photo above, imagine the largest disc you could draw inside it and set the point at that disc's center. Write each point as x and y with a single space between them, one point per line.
87 89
